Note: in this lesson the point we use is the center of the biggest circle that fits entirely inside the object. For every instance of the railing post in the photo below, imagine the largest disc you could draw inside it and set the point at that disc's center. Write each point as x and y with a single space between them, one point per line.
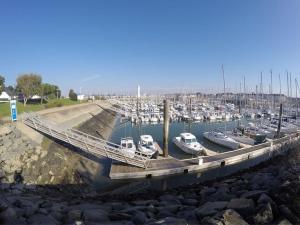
67 137
34 124
50 130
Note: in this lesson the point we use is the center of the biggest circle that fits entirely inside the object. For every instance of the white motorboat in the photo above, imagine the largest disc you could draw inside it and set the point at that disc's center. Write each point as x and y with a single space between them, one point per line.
225 116
185 117
146 145
153 119
239 137
253 128
128 147
197 117
188 143
221 139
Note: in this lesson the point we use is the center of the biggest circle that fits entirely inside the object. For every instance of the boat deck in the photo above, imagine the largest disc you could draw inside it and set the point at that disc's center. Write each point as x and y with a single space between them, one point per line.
168 166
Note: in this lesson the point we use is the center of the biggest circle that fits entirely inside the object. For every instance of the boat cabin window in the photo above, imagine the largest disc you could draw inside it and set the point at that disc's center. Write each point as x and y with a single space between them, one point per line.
188 141
129 145
147 144
124 145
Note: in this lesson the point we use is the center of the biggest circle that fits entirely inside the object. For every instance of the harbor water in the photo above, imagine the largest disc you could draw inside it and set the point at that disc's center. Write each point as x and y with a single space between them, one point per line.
128 129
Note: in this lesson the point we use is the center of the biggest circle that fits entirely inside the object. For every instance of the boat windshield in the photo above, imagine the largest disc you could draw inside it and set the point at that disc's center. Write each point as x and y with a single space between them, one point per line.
147 144
189 141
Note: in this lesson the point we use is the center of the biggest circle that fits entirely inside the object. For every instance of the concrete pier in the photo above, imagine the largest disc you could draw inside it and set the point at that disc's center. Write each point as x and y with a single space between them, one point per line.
172 166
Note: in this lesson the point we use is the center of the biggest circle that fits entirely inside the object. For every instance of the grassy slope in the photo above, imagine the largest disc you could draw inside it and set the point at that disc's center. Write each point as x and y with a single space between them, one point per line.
5 109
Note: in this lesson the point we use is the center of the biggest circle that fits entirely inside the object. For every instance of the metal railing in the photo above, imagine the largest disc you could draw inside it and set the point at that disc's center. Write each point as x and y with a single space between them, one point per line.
88 143
120 110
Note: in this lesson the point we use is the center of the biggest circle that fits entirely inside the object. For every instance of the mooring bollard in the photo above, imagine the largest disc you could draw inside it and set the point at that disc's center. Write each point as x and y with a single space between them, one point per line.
200 162
166 128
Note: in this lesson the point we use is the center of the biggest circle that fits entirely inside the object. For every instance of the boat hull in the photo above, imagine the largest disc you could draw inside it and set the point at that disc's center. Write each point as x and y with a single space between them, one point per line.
184 148
222 142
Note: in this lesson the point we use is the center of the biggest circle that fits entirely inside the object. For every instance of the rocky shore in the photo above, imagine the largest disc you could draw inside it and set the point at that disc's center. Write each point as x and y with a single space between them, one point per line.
51 162
266 194
52 184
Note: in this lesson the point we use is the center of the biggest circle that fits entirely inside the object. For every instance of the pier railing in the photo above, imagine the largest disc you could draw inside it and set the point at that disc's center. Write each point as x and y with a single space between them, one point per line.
235 152
87 143
113 107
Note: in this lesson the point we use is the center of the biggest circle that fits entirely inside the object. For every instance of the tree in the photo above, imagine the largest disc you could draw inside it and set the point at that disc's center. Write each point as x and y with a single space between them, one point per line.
51 91
10 90
29 85
2 84
72 95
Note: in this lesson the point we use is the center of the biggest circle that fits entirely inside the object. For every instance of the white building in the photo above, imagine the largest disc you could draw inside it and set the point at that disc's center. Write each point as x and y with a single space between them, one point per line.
80 97
4 97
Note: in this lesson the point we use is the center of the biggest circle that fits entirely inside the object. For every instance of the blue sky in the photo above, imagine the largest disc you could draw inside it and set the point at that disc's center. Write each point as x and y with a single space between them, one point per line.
111 46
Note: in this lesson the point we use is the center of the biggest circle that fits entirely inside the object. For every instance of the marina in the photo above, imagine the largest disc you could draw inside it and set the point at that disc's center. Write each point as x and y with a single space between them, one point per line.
140 155
150 112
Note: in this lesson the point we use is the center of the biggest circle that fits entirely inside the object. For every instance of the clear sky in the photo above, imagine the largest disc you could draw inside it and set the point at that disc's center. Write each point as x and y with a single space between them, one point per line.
112 46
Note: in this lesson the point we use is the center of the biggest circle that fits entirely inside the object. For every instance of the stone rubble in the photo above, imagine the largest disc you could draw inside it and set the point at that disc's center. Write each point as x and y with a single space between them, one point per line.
266 194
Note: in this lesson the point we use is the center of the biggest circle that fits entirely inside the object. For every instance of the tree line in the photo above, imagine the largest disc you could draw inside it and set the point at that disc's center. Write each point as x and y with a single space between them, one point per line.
28 85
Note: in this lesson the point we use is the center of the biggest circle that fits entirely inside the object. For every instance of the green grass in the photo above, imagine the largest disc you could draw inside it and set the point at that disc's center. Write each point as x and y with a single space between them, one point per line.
5 108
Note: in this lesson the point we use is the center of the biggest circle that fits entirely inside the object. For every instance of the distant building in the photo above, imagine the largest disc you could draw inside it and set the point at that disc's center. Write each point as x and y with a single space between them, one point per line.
81 97
4 97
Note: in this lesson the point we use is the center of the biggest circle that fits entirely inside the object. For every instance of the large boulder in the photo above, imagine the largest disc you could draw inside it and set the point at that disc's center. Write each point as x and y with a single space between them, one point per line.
95 215
74 215
210 208
253 194
222 194
264 215
8 216
283 222
243 206
231 217
189 201
139 218
114 216
211 221
168 221
287 213
41 219
5 130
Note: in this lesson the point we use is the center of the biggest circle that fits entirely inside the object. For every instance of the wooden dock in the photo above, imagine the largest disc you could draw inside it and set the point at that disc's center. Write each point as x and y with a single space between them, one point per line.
171 166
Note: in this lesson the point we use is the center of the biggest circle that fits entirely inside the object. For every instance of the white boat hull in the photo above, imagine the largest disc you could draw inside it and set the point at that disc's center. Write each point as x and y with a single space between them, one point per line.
242 139
185 148
222 142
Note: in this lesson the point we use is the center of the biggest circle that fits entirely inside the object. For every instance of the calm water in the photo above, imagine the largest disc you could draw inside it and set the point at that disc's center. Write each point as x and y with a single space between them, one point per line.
127 129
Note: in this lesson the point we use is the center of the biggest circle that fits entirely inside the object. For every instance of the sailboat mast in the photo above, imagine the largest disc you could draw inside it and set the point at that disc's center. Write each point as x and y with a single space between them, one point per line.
244 95
279 87
261 88
296 90
223 84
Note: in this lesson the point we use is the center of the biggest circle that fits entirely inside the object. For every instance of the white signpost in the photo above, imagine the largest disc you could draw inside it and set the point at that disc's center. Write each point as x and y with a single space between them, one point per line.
13 110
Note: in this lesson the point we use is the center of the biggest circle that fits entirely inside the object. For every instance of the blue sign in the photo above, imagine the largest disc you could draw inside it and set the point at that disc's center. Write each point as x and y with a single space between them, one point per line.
13 110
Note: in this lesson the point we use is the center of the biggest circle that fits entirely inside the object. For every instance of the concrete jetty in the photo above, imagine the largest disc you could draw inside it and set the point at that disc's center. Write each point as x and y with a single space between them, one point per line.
172 166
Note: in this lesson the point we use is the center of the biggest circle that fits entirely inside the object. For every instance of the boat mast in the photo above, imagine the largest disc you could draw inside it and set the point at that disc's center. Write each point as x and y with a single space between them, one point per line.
291 91
279 88
223 84
244 95
296 87
272 95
